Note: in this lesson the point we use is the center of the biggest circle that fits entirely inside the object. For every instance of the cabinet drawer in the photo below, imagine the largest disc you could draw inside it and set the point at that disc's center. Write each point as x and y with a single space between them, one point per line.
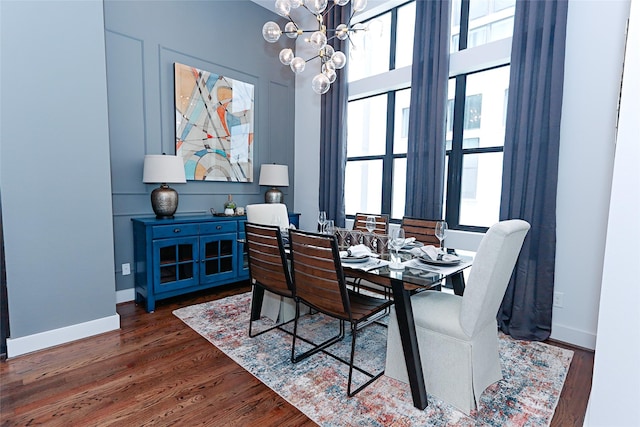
163 231
218 227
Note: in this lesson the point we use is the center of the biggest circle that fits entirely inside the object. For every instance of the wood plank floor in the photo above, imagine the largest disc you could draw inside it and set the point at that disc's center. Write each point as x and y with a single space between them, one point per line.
157 371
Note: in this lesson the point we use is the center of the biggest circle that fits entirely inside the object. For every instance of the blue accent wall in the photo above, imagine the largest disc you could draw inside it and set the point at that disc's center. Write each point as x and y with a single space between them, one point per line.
143 41
87 91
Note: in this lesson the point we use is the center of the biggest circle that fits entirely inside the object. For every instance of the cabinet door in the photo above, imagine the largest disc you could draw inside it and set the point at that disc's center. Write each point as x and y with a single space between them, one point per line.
217 257
243 257
175 263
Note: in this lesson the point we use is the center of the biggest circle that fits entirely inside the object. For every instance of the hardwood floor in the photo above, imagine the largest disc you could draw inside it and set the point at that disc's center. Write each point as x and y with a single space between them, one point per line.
157 371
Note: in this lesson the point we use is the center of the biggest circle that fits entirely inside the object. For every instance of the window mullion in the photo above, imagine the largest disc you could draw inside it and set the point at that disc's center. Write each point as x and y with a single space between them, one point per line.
454 179
387 164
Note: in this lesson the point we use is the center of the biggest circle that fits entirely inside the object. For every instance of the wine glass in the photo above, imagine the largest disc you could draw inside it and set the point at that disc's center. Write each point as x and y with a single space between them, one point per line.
330 227
396 242
441 232
371 223
322 220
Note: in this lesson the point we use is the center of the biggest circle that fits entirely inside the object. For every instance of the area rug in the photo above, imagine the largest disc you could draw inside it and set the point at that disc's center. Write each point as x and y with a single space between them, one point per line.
534 373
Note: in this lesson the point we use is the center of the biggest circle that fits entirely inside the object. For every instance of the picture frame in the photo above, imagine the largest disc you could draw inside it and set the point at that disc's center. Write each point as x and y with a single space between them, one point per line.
214 125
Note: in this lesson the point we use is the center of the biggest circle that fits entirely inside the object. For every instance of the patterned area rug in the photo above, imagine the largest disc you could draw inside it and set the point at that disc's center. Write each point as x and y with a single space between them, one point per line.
533 372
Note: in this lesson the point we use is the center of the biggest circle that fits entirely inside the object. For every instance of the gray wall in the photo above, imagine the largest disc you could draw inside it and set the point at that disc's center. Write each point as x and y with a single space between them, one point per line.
54 157
87 91
143 40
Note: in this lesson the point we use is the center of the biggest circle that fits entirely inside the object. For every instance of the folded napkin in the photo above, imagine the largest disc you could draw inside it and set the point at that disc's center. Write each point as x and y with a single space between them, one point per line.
433 253
358 251
409 241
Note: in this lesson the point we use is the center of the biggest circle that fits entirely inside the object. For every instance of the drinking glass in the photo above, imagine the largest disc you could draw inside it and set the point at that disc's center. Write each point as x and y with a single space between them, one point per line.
330 227
371 223
441 232
396 242
322 220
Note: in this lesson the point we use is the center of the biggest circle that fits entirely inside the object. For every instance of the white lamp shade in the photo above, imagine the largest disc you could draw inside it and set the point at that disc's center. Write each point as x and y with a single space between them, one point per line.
163 169
274 175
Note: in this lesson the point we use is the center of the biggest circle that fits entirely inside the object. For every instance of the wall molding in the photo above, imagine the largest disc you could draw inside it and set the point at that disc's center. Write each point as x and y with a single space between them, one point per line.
43 340
125 295
573 336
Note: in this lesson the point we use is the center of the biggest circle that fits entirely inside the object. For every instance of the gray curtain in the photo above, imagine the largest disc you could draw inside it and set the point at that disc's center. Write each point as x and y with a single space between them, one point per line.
426 143
530 171
333 129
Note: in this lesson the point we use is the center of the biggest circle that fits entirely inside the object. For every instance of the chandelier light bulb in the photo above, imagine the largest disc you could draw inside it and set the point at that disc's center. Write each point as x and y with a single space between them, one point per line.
339 59
328 51
342 31
341 2
320 84
271 32
318 40
283 7
358 5
297 65
328 65
331 74
316 6
286 56
296 3
291 30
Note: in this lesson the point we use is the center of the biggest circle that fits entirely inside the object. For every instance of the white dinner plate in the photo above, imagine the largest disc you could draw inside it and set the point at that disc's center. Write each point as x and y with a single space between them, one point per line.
355 259
428 260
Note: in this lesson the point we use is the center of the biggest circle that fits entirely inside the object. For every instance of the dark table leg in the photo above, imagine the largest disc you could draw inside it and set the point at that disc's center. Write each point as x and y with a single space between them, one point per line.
256 303
407 328
456 281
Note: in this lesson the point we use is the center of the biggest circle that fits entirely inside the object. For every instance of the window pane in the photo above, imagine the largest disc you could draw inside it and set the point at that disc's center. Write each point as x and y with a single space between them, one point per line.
485 107
399 188
404 35
451 93
366 126
481 188
489 20
401 126
363 181
369 50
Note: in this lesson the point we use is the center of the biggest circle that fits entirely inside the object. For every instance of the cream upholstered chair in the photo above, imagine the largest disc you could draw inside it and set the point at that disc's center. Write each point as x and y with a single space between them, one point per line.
458 335
275 307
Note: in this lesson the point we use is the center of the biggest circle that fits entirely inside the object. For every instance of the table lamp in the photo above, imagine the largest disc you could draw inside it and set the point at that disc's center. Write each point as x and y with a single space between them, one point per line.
162 169
275 176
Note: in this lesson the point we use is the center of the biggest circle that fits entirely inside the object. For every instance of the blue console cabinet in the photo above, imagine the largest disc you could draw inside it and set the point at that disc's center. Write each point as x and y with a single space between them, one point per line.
186 254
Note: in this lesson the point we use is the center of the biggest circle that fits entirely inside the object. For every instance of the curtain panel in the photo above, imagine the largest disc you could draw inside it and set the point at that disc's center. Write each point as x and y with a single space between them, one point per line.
530 167
426 139
333 130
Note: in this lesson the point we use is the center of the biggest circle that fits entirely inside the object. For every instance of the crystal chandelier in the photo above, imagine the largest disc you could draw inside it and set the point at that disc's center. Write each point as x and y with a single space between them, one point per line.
330 59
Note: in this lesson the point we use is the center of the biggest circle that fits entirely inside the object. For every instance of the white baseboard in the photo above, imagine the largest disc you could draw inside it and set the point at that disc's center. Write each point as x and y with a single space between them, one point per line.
42 340
125 295
573 336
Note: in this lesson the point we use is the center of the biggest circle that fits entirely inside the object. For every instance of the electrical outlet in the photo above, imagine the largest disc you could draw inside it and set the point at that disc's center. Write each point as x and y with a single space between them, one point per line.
126 269
558 299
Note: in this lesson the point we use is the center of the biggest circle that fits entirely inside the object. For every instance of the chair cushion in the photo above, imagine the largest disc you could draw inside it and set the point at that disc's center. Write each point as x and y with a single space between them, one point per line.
438 312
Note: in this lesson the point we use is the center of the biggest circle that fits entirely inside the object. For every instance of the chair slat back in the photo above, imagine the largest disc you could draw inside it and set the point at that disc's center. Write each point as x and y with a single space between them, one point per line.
382 223
267 260
424 230
317 273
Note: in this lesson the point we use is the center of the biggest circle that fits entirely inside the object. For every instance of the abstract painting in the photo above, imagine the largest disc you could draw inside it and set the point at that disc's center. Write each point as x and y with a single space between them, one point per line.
214 125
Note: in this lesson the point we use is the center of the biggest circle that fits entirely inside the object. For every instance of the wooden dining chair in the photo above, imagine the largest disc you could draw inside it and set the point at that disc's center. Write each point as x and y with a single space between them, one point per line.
319 283
382 223
268 268
423 230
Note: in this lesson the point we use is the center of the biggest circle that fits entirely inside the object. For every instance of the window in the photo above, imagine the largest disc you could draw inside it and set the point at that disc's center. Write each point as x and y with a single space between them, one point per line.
378 115
378 112
476 113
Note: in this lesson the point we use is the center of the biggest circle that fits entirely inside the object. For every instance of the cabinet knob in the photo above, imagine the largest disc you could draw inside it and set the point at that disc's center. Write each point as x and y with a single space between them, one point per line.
219 227
176 230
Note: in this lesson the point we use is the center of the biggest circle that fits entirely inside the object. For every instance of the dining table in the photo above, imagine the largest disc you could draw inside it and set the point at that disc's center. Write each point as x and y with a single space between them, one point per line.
414 277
